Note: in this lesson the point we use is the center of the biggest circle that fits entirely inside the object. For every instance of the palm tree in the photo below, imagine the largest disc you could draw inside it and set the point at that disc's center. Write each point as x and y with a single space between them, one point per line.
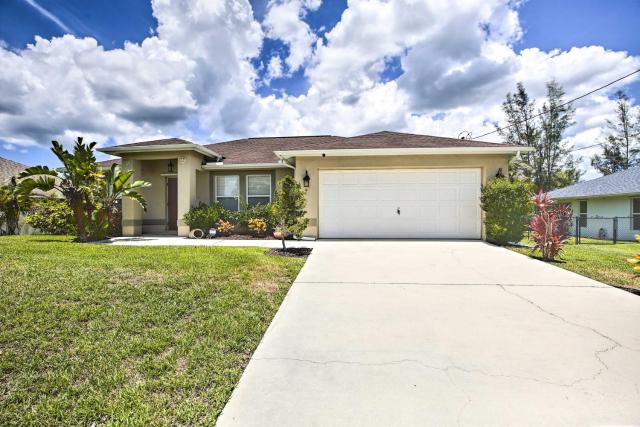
86 189
77 181
10 205
113 187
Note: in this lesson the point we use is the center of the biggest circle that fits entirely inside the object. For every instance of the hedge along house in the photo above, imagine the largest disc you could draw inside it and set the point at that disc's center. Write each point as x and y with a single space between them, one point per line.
380 185
599 202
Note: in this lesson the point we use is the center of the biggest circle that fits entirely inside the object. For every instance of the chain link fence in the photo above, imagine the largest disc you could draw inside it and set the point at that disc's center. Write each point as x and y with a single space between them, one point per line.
612 229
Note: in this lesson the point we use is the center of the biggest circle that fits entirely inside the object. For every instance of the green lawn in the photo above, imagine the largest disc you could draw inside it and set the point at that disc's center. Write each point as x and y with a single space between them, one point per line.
129 335
600 260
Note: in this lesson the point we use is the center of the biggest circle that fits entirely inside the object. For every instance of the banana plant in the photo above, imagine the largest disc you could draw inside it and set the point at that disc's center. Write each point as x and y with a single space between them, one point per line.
115 185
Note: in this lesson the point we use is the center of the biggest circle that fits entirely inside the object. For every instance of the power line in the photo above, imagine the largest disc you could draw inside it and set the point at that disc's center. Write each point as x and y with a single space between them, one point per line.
562 105
584 148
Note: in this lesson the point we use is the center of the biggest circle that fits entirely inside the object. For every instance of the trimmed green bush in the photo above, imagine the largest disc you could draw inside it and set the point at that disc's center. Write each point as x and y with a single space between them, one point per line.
507 206
204 216
51 216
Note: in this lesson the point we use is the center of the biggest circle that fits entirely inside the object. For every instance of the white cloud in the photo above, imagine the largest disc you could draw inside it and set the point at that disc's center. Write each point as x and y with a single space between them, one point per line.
194 76
284 21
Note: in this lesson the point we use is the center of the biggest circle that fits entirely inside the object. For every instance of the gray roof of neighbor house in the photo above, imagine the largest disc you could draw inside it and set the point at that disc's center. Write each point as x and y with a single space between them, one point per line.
619 183
262 149
105 164
9 168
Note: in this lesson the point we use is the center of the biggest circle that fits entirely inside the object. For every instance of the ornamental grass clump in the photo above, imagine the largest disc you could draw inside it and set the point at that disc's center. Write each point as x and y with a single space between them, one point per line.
551 226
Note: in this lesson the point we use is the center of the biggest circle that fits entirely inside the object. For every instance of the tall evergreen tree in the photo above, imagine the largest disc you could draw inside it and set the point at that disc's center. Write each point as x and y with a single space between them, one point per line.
550 164
621 146
521 130
554 163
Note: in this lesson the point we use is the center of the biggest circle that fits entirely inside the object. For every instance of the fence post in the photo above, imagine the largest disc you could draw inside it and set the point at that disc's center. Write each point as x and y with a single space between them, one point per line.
577 230
615 230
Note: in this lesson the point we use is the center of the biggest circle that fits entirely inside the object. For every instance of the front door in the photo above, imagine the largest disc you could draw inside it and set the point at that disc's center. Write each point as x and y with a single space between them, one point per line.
172 203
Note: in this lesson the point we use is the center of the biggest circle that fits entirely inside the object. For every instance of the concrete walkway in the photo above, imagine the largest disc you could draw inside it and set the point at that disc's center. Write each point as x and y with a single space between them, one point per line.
414 333
150 240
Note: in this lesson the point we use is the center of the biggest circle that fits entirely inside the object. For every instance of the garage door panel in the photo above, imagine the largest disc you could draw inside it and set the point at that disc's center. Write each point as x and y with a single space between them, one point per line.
433 204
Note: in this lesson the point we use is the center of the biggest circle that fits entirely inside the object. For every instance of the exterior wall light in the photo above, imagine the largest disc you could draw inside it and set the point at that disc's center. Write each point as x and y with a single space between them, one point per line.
306 179
171 167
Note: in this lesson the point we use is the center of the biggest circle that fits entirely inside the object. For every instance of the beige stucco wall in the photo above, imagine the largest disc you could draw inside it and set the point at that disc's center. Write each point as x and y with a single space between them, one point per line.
488 164
193 187
605 208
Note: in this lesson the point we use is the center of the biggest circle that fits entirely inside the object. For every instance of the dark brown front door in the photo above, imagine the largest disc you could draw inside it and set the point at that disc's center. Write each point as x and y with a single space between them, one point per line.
172 203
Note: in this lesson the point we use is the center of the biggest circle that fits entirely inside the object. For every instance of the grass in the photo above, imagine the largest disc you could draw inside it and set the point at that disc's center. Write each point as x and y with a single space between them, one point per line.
599 260
107 335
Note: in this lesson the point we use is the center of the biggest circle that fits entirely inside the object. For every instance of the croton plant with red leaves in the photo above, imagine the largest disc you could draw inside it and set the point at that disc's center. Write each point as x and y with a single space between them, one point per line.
551 226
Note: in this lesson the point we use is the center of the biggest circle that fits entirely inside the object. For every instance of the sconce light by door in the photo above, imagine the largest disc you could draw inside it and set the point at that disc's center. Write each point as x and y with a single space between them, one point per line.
306 179
171 166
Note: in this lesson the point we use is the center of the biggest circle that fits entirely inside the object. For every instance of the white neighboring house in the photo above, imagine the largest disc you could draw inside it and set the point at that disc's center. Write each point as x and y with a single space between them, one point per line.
599 201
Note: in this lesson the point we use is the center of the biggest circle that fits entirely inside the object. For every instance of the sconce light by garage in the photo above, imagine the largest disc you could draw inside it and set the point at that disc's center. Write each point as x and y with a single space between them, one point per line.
306 179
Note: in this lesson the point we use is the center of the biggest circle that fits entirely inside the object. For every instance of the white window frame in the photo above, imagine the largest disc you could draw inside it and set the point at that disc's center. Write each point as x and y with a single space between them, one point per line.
634 213
257 195
583 216
237 189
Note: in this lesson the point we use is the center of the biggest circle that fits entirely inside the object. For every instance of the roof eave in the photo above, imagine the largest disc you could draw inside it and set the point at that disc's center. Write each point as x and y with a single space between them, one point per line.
344 152
118 150
244 166
595 196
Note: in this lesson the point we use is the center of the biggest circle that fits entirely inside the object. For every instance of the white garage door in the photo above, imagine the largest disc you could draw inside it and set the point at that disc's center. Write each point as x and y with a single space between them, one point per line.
435 203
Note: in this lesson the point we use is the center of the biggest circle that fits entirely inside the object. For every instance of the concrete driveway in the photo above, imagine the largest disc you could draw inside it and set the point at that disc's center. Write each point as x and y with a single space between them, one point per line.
413 333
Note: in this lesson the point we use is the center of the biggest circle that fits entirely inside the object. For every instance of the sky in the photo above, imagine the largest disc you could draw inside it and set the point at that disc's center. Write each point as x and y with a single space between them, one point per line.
120 71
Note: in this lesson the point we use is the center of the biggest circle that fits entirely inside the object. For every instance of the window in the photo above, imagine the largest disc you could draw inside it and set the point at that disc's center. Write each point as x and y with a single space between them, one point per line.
227 187
635 213
583 213
258 189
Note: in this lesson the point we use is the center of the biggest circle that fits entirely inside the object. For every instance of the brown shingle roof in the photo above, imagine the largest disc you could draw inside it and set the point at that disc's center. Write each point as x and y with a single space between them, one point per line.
9 168
261 150
166 141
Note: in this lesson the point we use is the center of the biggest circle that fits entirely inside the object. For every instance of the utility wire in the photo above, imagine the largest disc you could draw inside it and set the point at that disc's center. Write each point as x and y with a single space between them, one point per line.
562 105
584 148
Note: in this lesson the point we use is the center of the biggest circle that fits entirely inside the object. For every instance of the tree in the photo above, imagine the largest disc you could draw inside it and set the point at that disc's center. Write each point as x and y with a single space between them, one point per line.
10 205
507 206
555 158
113 186
288 208
88 192
521 130
621 146
550 164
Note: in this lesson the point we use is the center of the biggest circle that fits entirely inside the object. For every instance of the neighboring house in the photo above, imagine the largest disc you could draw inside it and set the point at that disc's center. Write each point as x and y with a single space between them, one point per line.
380 185
599 201
106 164
9 168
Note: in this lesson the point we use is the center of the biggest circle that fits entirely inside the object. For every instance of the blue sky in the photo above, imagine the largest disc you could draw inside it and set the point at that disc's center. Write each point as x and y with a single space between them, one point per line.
545 25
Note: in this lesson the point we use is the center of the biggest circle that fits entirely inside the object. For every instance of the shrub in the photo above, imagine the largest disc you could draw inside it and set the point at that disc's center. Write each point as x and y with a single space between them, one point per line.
241 217
51 216
258 226
635 261
288 207
204 216
551 226
507 206
224 228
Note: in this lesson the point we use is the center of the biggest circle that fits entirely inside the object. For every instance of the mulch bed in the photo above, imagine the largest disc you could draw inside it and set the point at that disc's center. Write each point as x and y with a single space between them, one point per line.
290 252
245 237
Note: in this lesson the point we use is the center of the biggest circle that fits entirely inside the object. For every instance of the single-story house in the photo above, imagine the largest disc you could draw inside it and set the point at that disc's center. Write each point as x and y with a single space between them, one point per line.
379 185
599 201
